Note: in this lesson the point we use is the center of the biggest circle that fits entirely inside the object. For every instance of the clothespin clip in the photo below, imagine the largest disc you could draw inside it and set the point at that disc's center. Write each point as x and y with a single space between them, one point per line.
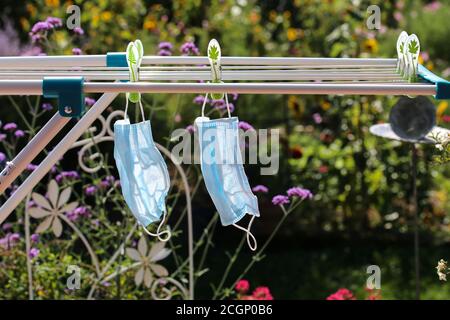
214 55
401 52
134 54
412 48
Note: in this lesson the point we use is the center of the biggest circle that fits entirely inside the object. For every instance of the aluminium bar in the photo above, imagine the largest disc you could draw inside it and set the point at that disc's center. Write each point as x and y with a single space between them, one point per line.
44 167
34 87
14 168
263 75
100 60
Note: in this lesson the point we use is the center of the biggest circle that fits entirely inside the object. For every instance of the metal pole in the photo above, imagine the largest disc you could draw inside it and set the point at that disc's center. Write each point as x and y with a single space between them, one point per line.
414 208
82 125
15 167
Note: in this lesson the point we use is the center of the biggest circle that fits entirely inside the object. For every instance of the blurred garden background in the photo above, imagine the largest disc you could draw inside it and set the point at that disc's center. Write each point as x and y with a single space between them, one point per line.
359 215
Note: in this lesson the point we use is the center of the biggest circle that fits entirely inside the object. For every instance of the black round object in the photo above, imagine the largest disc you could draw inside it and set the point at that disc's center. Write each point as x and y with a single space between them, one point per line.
413 118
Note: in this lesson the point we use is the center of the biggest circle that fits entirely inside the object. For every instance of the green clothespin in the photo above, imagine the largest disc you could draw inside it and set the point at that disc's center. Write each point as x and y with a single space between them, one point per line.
214 55
413 50
135 52
401 52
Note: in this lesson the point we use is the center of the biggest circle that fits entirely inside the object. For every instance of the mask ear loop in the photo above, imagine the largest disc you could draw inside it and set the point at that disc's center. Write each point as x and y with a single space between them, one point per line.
126 109
226 103
250 237
158 232
125 116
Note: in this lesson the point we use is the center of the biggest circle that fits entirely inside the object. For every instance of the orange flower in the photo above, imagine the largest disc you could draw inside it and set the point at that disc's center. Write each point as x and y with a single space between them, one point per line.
292 34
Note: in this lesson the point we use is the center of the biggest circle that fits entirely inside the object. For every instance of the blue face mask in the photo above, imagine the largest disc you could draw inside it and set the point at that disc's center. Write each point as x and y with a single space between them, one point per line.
223 172
143 173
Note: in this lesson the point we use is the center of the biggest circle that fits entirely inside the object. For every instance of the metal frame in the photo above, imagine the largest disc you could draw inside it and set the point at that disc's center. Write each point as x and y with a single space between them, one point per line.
24 75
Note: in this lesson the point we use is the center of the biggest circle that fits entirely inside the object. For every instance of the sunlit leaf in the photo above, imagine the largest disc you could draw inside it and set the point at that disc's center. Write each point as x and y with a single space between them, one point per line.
41 201
38 213
64 197
133 254
162 254
148 278
142 246
139 276
159 270
44 225
57 227
53 192
156 248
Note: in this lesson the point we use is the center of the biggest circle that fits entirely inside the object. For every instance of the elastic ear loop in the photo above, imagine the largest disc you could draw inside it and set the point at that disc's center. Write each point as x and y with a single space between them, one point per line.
250 237
226 102
158 232
126 108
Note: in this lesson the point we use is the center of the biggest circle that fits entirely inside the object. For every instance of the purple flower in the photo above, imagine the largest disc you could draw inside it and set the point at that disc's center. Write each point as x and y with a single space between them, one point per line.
78 212
79 31
106 283
2 136
89 101
7 226
317 118
47 106
34 252
35 37
165 45
190 128
164 53
40 26
280 200
189 48
31 204
35 237
31 167
10 126
234 96
54 22
107 182
2 157
9 240
76 51
69 175
299 192
200 99
19 133
90 191
245 126
260 188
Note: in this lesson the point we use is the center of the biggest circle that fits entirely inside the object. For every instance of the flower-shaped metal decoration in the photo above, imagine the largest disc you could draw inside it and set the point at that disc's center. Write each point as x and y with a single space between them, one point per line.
52 208
148 260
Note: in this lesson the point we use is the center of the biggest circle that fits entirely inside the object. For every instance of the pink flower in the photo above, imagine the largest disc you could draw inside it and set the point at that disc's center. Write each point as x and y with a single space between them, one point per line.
398 16
342 294
299 192
260 188
432 6
242 286
280 200
262 293
446 118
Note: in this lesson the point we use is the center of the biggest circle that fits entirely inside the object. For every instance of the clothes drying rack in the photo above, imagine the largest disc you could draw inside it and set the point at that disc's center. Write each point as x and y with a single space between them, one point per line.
182 74
67 78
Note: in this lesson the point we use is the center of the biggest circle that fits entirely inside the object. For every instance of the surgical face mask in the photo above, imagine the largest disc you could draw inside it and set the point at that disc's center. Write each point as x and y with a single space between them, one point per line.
223 172
143 173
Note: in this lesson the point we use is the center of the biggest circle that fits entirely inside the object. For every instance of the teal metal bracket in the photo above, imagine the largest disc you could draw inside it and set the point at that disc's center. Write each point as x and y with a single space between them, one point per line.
116 59
442 85
68 91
